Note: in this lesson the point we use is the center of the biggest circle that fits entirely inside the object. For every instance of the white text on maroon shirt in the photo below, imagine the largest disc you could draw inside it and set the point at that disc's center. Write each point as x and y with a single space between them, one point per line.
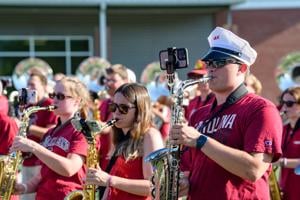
226 121
60 142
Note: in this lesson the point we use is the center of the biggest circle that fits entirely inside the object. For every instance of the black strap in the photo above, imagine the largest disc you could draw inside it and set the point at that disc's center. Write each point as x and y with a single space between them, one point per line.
231 99
123 138
111 163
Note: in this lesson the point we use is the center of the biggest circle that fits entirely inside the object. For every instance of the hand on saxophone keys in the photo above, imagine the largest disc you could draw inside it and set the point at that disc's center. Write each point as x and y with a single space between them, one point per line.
184 134
23 144
97 177
20 188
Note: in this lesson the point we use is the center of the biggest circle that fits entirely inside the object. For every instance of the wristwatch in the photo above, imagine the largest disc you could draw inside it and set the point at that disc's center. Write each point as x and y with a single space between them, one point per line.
201 141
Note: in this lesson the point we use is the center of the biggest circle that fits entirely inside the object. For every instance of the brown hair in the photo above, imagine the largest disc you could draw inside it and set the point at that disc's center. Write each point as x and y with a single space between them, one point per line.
294 91
79 90
119 69
254 83
137 95
41 76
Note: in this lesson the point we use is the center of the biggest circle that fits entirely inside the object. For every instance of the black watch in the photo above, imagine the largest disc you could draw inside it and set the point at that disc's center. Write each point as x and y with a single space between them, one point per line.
201 141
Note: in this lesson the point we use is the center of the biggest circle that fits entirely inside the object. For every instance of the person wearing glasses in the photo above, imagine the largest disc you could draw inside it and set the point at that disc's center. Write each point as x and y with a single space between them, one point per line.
40 122
134 137
235 139
116 75
290 106
62 150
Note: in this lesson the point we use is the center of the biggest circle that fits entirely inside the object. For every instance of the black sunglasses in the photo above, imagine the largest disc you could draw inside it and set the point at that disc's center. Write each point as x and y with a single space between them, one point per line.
221 63
59 96
123 108
288 103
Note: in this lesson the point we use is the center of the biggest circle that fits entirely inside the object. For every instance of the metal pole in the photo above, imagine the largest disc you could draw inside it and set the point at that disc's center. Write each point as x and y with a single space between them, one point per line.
229 17
102 29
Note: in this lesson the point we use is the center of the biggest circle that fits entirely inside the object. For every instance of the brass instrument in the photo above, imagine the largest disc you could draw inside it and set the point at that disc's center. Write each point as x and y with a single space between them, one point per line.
165 161
27 66
275 193
90 128
10 163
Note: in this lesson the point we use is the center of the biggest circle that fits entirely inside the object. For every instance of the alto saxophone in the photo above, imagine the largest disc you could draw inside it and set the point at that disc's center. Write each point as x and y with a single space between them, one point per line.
165 162
10 164
90 128
275 192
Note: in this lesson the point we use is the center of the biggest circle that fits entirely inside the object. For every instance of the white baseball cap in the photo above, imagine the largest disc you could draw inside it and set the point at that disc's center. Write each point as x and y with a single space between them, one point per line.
225 44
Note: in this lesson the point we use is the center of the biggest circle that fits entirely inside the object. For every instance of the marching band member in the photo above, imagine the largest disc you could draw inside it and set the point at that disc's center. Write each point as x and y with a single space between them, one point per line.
116 75
62 150
134 138
40 123
235 138
289 181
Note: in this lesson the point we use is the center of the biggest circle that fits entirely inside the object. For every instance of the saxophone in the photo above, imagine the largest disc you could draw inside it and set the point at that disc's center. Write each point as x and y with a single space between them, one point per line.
165 162
10 163
275 192
90 128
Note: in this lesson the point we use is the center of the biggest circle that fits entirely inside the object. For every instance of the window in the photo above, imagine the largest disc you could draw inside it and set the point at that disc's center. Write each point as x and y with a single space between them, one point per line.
63 53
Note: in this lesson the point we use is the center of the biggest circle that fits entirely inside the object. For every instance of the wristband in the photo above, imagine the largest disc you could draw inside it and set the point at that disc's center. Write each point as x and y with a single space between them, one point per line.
201 141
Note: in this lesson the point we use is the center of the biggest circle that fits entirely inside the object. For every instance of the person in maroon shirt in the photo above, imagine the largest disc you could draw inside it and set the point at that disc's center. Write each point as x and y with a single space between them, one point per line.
235 139
116 75
206 96
8 131
4 105
62 150
40 122
289 181
134 137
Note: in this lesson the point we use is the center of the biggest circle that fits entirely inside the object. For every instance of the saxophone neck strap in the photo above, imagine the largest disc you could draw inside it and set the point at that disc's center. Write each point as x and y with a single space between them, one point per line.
230 100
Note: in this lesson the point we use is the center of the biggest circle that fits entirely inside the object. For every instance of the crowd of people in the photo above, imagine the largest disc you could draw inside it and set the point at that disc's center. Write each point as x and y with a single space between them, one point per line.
231 137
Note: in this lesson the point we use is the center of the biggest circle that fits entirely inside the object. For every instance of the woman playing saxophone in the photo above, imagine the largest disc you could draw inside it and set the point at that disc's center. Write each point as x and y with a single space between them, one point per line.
133 137
63 149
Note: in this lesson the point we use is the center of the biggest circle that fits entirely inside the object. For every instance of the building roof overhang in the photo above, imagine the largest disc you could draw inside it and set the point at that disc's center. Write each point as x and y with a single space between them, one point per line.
120 3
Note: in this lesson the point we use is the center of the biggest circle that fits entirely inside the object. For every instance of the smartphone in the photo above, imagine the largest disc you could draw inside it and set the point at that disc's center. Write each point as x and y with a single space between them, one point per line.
27 96
179 55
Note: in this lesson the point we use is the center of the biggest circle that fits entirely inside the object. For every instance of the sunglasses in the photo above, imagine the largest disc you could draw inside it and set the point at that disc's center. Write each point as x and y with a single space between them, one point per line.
123 108
288 103
59 96
221 63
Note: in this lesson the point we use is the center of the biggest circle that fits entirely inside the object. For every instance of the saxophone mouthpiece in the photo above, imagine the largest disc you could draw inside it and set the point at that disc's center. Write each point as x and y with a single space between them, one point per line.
111 122
52 107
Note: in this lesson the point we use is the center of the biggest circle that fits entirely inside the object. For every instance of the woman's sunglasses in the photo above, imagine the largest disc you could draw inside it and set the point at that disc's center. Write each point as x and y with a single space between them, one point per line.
221 63
288 103
123 108
59 96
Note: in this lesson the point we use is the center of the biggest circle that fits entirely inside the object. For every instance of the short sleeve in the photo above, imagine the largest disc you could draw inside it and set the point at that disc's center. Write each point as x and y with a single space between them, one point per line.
264 132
